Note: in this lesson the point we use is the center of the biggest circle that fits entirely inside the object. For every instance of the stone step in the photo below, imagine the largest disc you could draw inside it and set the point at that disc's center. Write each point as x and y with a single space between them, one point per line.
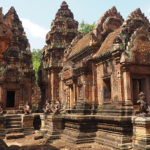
13 116
13 125
14 136
13 122
13 111
14 130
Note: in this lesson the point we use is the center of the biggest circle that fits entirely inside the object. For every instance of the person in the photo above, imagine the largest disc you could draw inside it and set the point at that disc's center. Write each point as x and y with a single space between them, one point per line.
27 109
142 103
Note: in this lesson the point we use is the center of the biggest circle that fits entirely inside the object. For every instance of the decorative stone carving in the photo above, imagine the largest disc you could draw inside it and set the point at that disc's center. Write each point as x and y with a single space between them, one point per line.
110 21
27 109
142 103
47 108
54 107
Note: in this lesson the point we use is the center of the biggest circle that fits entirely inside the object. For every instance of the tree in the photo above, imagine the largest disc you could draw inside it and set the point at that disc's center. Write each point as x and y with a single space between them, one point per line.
36 60
86 28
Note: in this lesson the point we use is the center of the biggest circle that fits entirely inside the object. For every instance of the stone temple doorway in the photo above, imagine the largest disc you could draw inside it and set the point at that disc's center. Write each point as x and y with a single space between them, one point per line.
10 102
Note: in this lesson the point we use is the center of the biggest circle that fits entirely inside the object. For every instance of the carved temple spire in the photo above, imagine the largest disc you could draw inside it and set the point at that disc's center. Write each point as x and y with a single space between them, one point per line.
64 5
11 19
63 28
136 19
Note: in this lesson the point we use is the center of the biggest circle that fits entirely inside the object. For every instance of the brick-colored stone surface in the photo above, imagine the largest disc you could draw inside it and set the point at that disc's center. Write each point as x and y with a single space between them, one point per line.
16 71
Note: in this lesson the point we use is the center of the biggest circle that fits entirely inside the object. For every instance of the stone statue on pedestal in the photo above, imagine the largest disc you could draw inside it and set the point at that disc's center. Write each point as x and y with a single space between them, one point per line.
27 109
142 103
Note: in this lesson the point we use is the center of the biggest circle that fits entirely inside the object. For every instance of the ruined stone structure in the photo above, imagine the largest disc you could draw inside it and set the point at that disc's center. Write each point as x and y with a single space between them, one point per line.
63 30
94 82
99 78
16 71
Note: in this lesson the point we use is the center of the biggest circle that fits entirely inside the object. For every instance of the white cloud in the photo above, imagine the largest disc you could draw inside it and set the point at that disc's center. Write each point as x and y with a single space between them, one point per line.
34 29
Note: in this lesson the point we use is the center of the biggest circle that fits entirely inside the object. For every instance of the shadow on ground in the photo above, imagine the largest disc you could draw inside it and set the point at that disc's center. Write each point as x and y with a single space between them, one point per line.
3 146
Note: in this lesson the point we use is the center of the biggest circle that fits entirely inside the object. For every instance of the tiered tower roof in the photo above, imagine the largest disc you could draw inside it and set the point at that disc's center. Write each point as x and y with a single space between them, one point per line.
63 28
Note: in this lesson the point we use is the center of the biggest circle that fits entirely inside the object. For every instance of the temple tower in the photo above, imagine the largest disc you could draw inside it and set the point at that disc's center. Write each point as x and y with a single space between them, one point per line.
16 71
63 30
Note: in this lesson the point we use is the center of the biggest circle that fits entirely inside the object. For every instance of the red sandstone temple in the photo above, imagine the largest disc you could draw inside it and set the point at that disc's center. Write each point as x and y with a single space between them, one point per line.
109 65
16 71
94 79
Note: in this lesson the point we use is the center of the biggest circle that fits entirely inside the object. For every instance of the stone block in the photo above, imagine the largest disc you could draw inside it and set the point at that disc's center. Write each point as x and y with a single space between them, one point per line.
141 130
28 121
2 122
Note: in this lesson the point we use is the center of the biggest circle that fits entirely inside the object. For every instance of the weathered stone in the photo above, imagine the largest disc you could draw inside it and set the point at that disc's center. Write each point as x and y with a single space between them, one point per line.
14 136
38 135
63 30
28 124
96 77
16 71
141 133
54 126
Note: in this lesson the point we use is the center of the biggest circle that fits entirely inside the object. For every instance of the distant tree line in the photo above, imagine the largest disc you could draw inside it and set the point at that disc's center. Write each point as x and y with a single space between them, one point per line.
85 27
36 60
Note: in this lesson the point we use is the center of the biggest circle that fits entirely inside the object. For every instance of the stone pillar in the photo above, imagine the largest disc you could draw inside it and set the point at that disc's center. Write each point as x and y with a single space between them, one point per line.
82 105
49 85
71 97
21 102
120 84
147 90
54 127
42 117
1 92
94 85
127 86
74 93
43 123
52 85
99 84
28 124
141 133
85 87
2 127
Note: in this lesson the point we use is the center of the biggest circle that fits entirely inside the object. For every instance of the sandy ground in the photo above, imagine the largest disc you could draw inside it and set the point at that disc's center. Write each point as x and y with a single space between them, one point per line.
28 143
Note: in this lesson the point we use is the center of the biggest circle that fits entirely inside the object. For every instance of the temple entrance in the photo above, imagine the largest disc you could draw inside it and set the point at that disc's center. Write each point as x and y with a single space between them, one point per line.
10 99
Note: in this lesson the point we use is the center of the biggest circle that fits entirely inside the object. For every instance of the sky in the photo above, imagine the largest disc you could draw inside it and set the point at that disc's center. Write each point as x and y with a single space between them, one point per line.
37 15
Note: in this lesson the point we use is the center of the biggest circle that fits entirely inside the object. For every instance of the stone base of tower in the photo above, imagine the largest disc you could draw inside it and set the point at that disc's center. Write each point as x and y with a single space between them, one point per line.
114 132
53 127
79 129
111 128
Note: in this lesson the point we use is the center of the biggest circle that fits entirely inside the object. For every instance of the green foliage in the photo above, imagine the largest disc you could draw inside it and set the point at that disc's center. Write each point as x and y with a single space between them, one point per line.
36 60
86 28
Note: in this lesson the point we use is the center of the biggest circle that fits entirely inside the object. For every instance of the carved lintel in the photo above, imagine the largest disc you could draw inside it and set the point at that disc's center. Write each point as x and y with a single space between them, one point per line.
117 56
